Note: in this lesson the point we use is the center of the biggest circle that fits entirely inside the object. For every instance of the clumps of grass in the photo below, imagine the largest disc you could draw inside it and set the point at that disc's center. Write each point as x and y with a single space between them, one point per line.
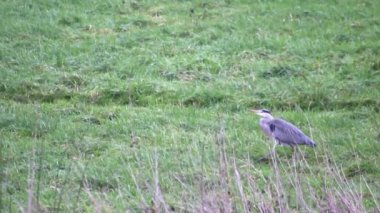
375 65
186 76
363 168
205 98
280 71
73 81
25 122
70 21
96 184
75 88
319 99
142 23
91 120
358 103
135 93
28 91
150 93
342 38
47 97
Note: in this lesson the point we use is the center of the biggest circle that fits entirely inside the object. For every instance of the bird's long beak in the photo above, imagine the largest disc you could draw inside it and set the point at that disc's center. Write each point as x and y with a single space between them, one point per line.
254 110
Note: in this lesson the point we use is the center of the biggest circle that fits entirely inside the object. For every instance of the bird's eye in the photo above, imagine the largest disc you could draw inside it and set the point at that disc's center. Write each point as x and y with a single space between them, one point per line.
266 111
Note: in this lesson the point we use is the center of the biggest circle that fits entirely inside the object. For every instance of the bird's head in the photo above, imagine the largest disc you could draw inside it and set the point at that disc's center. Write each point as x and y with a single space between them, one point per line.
262 113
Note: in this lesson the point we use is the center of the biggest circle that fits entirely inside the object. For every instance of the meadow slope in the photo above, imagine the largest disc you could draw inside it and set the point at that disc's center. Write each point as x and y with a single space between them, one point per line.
144 105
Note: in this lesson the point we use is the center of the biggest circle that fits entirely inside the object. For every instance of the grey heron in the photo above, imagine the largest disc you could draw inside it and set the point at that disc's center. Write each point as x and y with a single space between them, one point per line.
281 132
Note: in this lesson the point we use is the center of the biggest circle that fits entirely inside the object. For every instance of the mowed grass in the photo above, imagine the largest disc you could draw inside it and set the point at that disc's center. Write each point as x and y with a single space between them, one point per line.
144 105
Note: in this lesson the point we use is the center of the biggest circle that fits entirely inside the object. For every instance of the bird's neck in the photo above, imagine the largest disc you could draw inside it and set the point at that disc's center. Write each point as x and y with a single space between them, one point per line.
266 119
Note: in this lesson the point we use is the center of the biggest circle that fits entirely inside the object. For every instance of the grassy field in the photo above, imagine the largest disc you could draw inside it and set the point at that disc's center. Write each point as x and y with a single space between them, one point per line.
114 106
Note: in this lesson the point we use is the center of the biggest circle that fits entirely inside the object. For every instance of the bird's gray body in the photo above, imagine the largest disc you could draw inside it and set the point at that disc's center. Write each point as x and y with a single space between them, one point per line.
281 131
284 133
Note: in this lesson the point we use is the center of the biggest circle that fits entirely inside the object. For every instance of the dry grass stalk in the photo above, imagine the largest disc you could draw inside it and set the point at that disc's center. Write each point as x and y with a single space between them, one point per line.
158 198
298 185
373 196
259 202
279 189
143 202
98 205
240 187
218 199
223 170
31 178
340 193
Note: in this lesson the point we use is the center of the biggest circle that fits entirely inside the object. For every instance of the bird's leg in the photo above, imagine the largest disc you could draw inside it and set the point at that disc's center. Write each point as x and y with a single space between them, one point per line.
273 152
294 154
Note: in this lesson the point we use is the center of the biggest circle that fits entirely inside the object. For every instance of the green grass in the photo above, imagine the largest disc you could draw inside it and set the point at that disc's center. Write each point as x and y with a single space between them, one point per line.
94 93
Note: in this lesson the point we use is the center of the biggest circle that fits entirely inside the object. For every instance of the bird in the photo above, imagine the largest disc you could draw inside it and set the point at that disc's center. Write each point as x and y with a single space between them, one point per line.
281 132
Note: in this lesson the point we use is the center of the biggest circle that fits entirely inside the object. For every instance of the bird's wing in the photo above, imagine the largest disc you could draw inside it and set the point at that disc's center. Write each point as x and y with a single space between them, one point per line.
286 133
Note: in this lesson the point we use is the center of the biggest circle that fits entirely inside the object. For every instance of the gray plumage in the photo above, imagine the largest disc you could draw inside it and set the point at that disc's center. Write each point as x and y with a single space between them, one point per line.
283 132
286 133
